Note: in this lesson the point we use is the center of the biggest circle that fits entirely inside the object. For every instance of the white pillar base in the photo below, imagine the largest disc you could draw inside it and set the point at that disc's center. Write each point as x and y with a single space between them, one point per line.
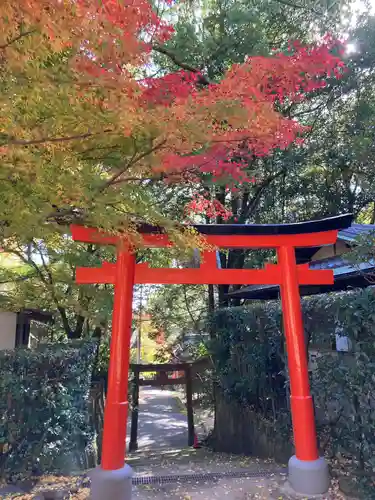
111 484
308 477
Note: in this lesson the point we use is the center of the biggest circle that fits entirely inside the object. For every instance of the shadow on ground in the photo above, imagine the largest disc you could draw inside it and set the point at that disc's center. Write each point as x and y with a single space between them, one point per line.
160 423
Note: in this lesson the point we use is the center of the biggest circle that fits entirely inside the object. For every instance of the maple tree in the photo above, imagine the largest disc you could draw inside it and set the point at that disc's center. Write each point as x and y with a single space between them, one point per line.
85 130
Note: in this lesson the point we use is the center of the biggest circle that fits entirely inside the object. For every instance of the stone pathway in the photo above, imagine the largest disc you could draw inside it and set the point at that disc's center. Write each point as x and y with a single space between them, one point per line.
163 451
161 423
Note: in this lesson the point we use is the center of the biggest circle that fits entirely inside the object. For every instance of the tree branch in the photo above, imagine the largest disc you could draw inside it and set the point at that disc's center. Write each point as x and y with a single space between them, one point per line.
46 268
48 284
181 64
29 262
16 38
246 210
299 6
18 279
195 321
138 179
44 140
135 159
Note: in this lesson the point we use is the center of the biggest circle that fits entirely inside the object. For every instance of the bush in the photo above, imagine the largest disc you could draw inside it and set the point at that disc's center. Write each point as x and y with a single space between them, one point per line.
44 422
343 391
249 355
248 352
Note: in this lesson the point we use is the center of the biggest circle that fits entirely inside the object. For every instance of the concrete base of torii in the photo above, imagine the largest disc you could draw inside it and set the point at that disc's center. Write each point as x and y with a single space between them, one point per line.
111 484
310 477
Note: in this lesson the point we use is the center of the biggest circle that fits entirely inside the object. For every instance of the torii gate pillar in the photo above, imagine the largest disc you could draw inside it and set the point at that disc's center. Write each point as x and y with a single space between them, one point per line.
113 479
308 473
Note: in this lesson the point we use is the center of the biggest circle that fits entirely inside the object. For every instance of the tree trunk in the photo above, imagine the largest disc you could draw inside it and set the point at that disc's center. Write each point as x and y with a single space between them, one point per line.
211 299
77 332
65 322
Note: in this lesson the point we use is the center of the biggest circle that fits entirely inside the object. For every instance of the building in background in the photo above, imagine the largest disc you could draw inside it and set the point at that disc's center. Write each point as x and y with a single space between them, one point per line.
26 327
347 275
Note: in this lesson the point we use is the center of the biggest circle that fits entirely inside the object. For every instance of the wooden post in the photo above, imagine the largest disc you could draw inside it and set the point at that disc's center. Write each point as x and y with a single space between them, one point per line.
133 445
189 405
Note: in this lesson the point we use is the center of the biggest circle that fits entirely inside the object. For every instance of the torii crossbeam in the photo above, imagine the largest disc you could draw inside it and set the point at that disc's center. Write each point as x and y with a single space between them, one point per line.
307 472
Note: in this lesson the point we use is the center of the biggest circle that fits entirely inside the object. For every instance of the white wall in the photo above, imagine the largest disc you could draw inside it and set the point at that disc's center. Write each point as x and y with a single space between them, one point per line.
8 323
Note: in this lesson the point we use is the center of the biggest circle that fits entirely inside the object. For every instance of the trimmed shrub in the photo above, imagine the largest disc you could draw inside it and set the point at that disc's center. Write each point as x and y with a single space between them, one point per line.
44 408
250 359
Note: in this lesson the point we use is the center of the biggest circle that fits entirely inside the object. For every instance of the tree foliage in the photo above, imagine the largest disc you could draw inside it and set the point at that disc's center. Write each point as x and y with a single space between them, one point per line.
112 112
87 134
45 279
85 129
331 172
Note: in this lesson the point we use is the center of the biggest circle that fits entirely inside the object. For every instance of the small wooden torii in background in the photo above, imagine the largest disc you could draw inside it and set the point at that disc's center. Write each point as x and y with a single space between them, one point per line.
308 473
161 379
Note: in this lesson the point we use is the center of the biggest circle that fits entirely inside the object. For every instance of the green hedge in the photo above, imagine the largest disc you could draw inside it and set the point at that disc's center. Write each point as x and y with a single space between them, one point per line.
44 411
249 354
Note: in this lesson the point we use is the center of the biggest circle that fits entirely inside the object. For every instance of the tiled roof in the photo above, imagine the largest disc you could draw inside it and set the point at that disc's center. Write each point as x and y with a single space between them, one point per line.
340 266
343 272
355 230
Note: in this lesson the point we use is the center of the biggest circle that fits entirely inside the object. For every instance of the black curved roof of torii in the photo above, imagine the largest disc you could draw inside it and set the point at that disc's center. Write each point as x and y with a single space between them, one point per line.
314 226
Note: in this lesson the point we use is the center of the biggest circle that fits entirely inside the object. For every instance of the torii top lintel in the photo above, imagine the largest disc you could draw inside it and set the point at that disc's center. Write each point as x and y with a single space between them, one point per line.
305 234
300 234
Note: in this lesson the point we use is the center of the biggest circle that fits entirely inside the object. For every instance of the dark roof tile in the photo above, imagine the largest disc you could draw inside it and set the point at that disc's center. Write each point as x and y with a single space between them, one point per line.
355 230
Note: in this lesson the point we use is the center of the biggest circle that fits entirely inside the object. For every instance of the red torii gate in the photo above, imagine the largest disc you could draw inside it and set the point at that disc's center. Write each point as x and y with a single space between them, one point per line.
308 473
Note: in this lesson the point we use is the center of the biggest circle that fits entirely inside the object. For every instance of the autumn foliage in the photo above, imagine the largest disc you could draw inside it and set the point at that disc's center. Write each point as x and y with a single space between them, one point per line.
76 79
